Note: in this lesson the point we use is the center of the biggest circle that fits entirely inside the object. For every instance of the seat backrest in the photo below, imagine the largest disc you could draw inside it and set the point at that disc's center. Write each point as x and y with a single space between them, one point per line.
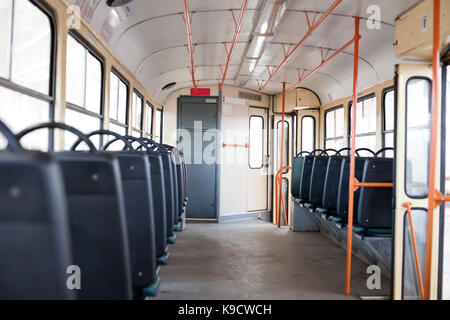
176 194
305 181
159 201
342 200
97 224
375 204
331 185
138 198
169 190
35 249
297 167
318 173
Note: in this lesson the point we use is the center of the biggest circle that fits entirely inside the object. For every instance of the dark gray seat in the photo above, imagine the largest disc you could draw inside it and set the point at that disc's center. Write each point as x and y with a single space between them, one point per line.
342 200
305 181
169 192
331 184
159 201
297 168
318 173
138 196
35 246
375 204
97 224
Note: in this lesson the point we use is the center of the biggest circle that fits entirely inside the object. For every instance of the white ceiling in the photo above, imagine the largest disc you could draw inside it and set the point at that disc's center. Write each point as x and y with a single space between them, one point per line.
150 39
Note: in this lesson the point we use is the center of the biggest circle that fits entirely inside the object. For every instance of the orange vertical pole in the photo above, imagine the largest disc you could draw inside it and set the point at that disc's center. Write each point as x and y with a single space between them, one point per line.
351 184
433 147
281 149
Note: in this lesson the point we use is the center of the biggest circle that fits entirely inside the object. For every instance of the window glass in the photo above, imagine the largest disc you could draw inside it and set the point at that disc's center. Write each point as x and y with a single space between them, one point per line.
122 102
27 111
85 124
334 128
411 288
366 120
93 84
31 47
158 122
417 136
149 123
5 37
113 96
308 134
285 144
137 111
256 142
118 94
116 128
75 72
388 115
25 60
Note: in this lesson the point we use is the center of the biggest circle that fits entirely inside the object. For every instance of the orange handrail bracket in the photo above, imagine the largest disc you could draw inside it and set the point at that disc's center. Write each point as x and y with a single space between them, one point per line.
279 191
236 34
351 194
407 205
190 47
433 146
306 36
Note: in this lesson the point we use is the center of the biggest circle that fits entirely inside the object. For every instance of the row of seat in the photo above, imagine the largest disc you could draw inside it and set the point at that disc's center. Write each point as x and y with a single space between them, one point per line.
87 224
320 183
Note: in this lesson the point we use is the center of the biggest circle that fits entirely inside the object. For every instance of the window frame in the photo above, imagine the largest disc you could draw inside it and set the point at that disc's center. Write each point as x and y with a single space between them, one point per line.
314 132
341 106
366 134
133 128
127 108
50 96
148 104
94 52
383 114
406 135
262 142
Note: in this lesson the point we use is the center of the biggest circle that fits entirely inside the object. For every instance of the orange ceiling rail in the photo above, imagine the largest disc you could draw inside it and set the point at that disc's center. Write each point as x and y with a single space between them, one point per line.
434 196
407 205
238 26
351 187
312 27
187 20
325 60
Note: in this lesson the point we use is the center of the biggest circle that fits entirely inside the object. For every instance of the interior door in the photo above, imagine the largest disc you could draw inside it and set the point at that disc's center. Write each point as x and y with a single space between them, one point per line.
197 136
413 102
286 174
257 159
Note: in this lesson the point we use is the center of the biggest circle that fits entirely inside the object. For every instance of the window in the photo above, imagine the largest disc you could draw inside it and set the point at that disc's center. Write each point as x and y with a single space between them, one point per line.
334 128
388 120
149 122
418 100
308 133
256 142
26 72
366 123
159 126
137 114
118 104
84 77
285 144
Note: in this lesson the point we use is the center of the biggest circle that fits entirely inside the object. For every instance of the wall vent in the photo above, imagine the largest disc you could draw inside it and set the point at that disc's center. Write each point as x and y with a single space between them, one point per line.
249 96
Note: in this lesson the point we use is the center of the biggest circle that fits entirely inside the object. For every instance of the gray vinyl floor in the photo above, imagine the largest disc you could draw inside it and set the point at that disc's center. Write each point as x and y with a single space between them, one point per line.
255 260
